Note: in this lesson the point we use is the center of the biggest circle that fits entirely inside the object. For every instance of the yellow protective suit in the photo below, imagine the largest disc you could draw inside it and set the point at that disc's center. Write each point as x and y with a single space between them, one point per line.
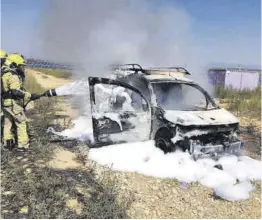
3 56
14 98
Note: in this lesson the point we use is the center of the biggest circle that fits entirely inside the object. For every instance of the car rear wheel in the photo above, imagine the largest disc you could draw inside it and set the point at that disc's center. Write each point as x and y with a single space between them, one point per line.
163 141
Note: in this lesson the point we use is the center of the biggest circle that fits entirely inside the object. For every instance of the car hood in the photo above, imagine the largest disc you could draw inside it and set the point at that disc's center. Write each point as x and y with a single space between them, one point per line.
209 117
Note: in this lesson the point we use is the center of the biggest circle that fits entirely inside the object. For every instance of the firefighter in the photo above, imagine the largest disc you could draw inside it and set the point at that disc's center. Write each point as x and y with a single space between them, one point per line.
5 63
14 99
3 55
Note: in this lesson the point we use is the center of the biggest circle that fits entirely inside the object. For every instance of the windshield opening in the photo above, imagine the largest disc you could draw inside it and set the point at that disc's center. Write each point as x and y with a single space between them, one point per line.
182 96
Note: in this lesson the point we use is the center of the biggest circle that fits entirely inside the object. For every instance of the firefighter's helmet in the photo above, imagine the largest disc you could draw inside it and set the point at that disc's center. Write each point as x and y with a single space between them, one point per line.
16 59
3 54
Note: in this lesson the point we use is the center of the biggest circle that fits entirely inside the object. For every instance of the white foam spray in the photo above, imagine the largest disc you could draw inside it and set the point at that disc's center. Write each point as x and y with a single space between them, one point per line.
79 87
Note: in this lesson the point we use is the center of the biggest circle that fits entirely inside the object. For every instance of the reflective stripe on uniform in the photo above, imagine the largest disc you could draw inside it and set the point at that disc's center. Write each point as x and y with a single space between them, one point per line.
22 135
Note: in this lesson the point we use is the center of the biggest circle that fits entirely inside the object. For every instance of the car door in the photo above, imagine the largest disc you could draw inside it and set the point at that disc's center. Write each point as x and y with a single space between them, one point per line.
115 116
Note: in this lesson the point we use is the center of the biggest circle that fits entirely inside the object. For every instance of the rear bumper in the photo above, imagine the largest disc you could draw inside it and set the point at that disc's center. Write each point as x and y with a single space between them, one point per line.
216 150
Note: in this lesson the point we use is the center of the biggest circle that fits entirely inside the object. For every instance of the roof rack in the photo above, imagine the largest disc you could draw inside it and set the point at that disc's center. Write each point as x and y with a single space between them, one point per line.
137 68
130 67
170 69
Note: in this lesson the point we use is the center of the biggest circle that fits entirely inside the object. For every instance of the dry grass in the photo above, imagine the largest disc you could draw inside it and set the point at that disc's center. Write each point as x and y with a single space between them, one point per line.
32 86
53 72
243 103
45 192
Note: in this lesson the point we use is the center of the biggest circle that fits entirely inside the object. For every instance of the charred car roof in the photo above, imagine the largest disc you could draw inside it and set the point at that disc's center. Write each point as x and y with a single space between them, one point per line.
152 74
171 77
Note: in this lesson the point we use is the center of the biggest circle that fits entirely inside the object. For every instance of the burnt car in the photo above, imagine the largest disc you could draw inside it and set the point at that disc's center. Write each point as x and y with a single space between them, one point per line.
160 104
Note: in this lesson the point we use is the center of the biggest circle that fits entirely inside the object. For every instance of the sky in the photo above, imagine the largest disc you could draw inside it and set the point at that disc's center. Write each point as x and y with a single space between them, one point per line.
216 26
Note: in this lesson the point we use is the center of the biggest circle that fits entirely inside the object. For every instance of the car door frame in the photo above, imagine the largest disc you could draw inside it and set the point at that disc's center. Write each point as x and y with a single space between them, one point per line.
92 81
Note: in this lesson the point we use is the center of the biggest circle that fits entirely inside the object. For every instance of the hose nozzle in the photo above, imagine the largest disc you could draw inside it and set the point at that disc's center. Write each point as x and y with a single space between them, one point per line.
50 93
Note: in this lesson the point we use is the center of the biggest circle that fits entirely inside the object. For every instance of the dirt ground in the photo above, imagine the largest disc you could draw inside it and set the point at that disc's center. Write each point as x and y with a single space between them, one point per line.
153 197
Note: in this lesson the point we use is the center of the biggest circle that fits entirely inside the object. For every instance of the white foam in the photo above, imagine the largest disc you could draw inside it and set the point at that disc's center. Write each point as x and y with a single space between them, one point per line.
81 130
235 192
145 158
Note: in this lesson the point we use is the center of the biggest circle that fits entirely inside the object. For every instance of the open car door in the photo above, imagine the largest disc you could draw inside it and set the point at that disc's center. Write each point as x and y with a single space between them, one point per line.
120 112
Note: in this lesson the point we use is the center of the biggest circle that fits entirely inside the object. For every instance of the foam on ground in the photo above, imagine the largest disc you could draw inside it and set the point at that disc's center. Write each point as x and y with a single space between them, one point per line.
232 183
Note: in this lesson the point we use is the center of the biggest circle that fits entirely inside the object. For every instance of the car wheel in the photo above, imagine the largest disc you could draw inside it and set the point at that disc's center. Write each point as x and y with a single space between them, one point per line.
163 141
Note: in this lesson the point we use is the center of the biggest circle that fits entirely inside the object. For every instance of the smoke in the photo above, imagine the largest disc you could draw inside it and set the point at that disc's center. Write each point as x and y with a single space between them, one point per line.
92 34
95 34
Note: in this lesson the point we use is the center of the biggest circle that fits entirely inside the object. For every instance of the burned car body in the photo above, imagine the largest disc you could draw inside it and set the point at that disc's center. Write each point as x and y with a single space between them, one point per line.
160 104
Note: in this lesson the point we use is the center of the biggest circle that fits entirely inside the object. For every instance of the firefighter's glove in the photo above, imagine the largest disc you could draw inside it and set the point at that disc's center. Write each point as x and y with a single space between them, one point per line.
35 96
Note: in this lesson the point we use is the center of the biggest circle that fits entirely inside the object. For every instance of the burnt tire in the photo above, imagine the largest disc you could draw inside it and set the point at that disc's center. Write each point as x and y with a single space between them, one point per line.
163 141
